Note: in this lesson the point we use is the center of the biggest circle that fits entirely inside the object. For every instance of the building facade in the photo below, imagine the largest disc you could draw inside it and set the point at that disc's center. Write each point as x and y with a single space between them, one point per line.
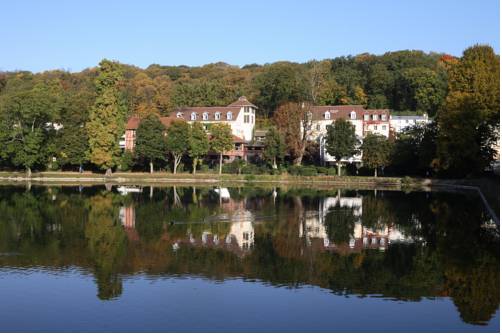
365 121
239 115
399 123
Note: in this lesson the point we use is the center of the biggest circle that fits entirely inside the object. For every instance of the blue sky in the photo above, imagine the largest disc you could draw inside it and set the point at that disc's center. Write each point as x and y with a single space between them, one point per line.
73 35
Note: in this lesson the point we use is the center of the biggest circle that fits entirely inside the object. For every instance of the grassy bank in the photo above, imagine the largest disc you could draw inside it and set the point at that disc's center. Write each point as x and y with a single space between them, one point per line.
163 177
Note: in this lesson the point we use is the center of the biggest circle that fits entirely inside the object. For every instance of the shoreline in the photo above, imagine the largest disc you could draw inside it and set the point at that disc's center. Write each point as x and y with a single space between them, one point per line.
205 179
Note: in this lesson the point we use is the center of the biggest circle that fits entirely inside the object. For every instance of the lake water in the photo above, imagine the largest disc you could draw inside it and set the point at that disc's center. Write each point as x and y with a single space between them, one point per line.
245 259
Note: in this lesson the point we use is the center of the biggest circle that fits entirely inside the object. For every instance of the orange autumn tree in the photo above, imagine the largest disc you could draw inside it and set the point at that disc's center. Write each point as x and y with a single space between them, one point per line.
294 122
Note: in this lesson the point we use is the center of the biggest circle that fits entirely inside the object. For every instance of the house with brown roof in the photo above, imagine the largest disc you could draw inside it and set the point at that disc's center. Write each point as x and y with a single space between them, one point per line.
239 115
365 121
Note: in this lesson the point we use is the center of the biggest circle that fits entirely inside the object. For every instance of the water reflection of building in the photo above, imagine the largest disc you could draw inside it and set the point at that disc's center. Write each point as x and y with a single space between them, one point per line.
127 217
314 227
239 239
242 232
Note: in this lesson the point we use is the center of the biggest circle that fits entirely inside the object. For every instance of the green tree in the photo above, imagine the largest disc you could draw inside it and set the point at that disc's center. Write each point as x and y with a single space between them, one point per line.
151 140
422 89
376 151
27 117
107 117
177 141
469 123
279 83
275 148
72 145
198 144
221 140
341 141
414 150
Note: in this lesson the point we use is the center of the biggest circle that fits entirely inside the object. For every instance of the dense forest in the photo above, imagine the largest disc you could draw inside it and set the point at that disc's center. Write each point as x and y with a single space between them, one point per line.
98 100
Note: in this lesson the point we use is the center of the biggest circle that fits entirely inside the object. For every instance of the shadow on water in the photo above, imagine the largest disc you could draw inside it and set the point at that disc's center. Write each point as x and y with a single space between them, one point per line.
403 246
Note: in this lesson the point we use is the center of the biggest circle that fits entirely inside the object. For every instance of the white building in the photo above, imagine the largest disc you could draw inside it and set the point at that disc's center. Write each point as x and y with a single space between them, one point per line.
240 115
365 121
399 123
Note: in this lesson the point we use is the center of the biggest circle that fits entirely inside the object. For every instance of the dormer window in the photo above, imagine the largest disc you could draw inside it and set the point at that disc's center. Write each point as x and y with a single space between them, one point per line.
229 115
375 117
193 116
179 115
327 115
384 117
205 116
352 115
217 115
366 117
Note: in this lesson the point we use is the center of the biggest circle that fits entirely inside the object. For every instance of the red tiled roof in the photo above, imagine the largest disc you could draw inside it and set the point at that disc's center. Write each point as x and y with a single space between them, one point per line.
242 102
186 113
336 112
343 112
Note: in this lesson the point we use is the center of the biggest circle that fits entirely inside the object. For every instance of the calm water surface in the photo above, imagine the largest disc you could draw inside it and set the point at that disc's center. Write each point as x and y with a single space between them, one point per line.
245 259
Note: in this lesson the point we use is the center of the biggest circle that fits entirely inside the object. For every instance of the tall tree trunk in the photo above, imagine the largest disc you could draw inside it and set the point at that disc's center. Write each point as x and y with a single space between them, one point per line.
339 169
274 164
28 171
194 164
175 164
298 160
151 167
376 172
151 191
221 161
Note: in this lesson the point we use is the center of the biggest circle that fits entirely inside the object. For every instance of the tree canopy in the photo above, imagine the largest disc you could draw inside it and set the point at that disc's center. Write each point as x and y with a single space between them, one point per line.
341 141
151 140
376 151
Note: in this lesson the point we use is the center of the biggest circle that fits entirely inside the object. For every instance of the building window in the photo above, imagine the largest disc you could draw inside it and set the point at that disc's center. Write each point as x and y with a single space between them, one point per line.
318 127
327 115
375 117
384 127
352 115
193 116
205 116
384 117
229 115
375 127
179 115
246 118
252 119
366 117
217 115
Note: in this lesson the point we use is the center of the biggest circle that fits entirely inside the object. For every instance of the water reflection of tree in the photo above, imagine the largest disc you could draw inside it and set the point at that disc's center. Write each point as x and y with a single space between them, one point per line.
340 223
377 212
107 243
454 257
